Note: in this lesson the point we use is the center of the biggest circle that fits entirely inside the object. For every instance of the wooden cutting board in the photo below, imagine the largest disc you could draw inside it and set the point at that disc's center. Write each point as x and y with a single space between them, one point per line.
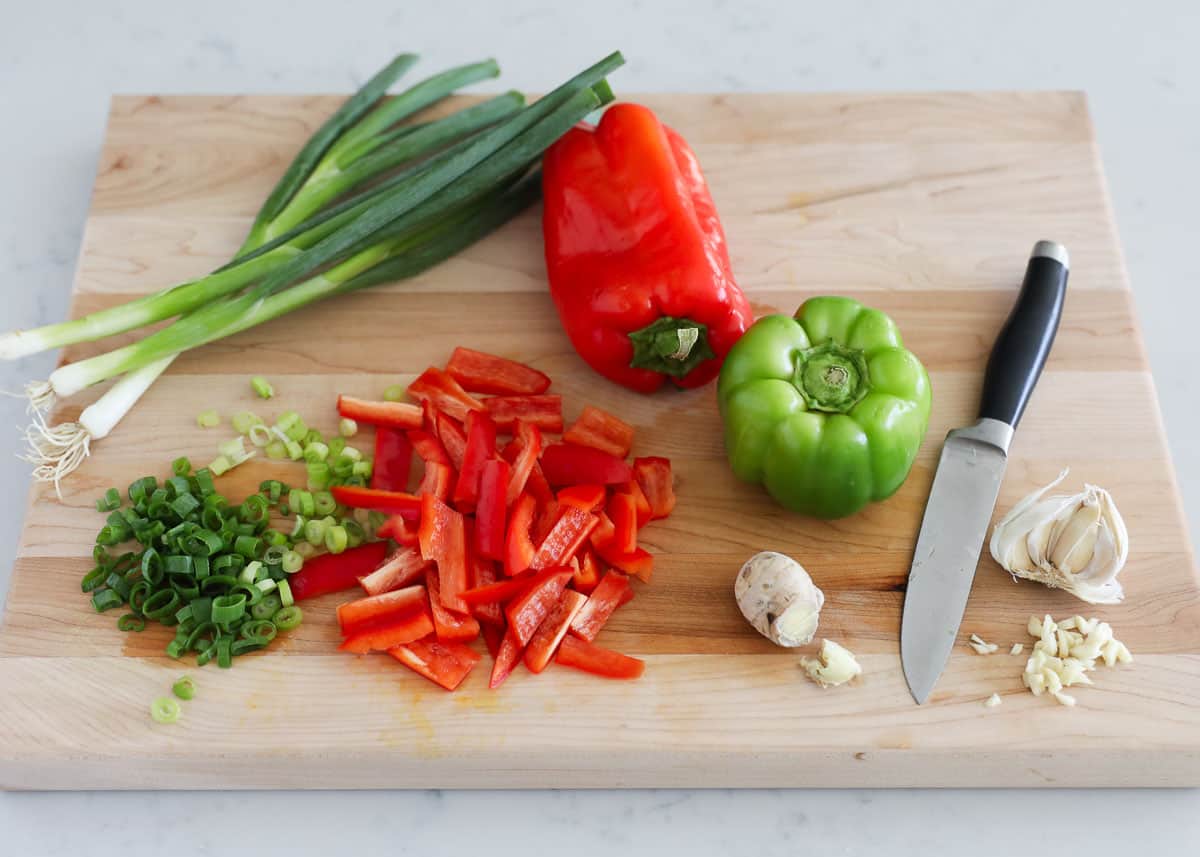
922 205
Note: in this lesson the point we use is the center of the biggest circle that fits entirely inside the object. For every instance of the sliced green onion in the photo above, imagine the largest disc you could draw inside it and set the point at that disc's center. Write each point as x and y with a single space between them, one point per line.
336 539
336 445
316 452
394 393
224 652
285 593
131 622
208 419
294 451
288 618
260 436
361 468
292 562
165 710
352 453
323 503
262 387
184 687
268 607
304 549
318 475
110 502
220 465
227 609
314 532
266 585
347 427
249 574
243 421
275 449
248 546
312 436
355 534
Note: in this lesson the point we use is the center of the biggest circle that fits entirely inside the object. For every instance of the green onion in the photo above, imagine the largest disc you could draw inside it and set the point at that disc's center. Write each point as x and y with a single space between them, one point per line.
292 562
208 419
220 465
227 609
106 599
288 618
110 502
262 387
346 428
243 421
394 393
261 436
267 608
336 539
316 451
314 532
165 710
285 593
276 450
131 622
184 687
323 503
304 549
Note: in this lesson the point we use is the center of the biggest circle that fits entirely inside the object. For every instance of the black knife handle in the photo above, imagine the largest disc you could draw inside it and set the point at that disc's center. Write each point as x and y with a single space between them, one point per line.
1024 342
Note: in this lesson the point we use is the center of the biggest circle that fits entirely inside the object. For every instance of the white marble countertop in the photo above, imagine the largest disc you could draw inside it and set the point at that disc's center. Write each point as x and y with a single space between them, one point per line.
60 61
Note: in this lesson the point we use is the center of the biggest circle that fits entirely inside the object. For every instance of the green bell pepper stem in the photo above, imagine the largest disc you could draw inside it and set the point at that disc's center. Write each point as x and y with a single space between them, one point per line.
672 346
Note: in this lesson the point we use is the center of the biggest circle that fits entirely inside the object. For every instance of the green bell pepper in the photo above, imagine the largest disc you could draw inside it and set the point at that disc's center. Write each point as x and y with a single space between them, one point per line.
826 409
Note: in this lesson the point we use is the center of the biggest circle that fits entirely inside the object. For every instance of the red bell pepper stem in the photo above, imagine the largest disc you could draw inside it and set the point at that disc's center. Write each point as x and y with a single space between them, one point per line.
590 498
545 412
622 509
365 612
601 604
574 652
388 632
552 630
601 430
638 562
438 480
507 658
530 608
428 447
444 393
478 372
530 440
447 625
444 664
392 502
653 474
519 546
333 572
393 460
400 415
402 568
491 512
568 464
481 448
565 539
450 433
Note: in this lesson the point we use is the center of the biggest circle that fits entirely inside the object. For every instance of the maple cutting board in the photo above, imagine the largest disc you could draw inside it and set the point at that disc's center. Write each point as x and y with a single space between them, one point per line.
925 206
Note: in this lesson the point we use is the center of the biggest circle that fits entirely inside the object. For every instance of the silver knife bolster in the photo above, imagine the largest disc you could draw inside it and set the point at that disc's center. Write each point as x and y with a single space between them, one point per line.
995 433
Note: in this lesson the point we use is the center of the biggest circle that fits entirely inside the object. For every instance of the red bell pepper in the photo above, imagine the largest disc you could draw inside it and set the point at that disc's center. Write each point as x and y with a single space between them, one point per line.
653 474
393 460
492 637
640 503
443 539
483 573
519 546
444 393
454 441
587 577
447 624
530 608
574 652
626 597
478 372
553 628
333 572
507 658
545 412
537 485
622 509
530 440
544 519
605 531
499 591
428 447
568 464
565 539
481 448
438 480
590 498
601 430
364 613
601 604
400 569
400 415
391 502
388 632
635 253
445 664
400 530
637 562
491 512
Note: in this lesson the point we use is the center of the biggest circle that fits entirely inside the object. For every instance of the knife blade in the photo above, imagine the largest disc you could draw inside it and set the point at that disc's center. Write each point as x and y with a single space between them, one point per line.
970 471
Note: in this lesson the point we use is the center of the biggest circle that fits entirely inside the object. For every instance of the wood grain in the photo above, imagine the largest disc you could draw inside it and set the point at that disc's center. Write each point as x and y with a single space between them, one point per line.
923 204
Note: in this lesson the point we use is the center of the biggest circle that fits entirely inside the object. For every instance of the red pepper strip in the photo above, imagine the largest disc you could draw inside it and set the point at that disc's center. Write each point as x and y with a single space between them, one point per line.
638 562
333 572
507 659
601 430
553 628
544 520
483 573
530 608
400 569
605 531
398 529
443 540
448 625
545 412
577 653
492 635
568 535
356 615
568 464
388 632
537 485
605 599
640 503
519 547
450 433
444 393
438 480
587 577
392 502
622 509
653 474
531 449
428 447
444 664
498 592
481 447
393 460
626 597
486 373
491 511
590 498
401 415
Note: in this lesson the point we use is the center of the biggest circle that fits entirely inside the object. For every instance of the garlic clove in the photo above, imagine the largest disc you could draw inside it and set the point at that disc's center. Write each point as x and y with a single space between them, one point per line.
833 665
1073 540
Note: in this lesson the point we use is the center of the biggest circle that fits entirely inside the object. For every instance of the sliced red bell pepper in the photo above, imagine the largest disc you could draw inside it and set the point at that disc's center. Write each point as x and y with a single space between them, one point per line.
478 372
653 474
385 633
333 572
641 504
605 599
491 512
499 591
587 577
444 393
568 464
400 530
492 636
392 502
590 498
638 562
527 456
443 540
445 664
400 569
428 447
601 430
400 415
507 659
567 536
480 448
519 546
622 509
438 480
545 412
530 608
362 613
448 625
393 460
544 519
577 653
537 485
483 573
604 532
553 628
454 440
626 597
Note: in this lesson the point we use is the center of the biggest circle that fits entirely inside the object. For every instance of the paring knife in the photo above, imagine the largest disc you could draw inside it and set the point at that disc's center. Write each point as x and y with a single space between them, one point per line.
969 473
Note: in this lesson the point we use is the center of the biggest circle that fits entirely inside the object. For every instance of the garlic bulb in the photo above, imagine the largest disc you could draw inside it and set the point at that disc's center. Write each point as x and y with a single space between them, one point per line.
1077 542
778 598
